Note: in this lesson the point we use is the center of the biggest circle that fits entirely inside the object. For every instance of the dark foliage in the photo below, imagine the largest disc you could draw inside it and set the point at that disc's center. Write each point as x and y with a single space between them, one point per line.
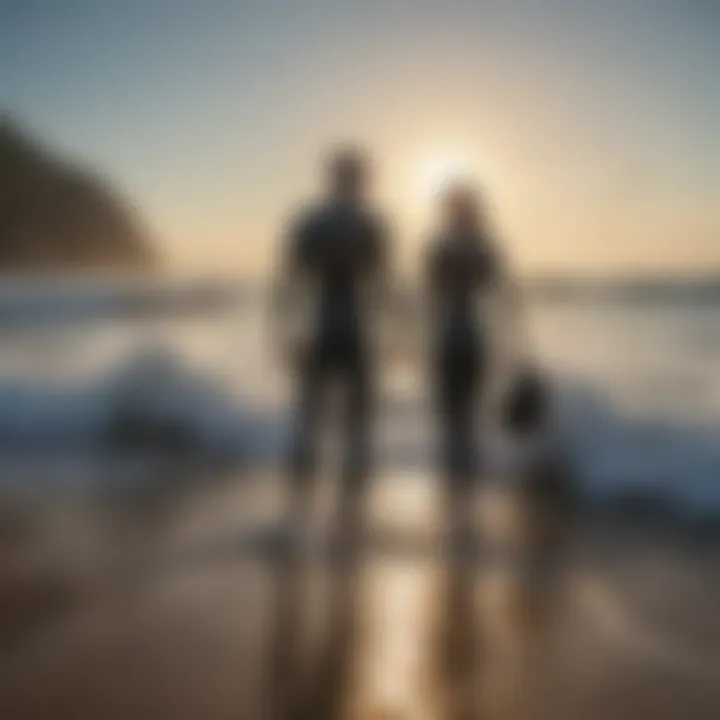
54 214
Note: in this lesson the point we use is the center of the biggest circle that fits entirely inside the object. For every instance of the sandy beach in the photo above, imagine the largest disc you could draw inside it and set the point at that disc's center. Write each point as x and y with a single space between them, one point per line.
199 611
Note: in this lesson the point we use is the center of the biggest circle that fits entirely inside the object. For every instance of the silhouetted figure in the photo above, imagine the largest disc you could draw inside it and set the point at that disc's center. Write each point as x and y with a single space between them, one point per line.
336 254
462 267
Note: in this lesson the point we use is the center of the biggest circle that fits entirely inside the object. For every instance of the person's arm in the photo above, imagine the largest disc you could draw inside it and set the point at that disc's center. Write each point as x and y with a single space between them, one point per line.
289 287
379 257
432 284
379 296
506 311
509 306
432 295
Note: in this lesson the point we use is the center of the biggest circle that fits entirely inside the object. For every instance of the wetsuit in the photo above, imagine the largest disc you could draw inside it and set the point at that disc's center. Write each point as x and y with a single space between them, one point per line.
336 248
459 271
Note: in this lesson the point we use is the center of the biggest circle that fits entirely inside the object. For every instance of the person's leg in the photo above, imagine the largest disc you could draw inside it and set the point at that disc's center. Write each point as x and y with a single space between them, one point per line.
458 454
305 430
357 387
457 405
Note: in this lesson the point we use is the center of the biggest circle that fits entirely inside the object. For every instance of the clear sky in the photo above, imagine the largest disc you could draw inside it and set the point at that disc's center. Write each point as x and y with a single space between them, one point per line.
595 125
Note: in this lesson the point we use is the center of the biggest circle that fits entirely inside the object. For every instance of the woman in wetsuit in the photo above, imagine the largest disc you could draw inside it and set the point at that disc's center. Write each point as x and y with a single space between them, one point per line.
462 267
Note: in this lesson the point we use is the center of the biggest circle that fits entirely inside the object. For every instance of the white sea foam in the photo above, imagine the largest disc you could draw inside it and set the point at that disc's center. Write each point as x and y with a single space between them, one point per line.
637 385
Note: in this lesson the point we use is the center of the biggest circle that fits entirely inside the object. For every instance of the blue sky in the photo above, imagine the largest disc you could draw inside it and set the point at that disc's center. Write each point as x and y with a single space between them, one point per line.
593 124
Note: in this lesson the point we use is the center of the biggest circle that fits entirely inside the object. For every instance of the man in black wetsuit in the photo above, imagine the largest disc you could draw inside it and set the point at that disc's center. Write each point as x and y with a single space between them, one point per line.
336 251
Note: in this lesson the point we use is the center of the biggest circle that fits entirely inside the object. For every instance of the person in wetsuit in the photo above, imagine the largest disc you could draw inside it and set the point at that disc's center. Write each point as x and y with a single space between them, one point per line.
462 267
337 252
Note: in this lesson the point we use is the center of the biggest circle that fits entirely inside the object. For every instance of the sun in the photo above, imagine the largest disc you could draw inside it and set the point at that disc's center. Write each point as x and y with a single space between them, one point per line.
435 171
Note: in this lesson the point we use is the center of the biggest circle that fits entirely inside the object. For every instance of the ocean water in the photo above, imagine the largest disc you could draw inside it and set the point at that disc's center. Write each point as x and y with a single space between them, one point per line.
635 376
639 390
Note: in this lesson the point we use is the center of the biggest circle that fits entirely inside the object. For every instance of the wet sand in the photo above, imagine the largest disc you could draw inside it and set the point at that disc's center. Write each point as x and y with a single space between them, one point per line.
200 611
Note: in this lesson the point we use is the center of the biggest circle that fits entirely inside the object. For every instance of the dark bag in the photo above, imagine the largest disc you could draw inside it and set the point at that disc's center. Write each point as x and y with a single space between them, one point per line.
527 404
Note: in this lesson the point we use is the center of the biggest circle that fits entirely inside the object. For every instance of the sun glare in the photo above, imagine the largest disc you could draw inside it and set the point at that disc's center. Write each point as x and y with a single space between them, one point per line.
437 170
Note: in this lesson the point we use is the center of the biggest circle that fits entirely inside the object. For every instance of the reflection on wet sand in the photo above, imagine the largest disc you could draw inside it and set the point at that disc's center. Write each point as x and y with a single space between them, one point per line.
225 622
421 634
495 609
395 675
308 666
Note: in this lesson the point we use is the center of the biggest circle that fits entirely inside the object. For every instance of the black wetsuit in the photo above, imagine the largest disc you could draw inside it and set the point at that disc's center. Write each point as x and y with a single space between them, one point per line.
337 248
459 271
